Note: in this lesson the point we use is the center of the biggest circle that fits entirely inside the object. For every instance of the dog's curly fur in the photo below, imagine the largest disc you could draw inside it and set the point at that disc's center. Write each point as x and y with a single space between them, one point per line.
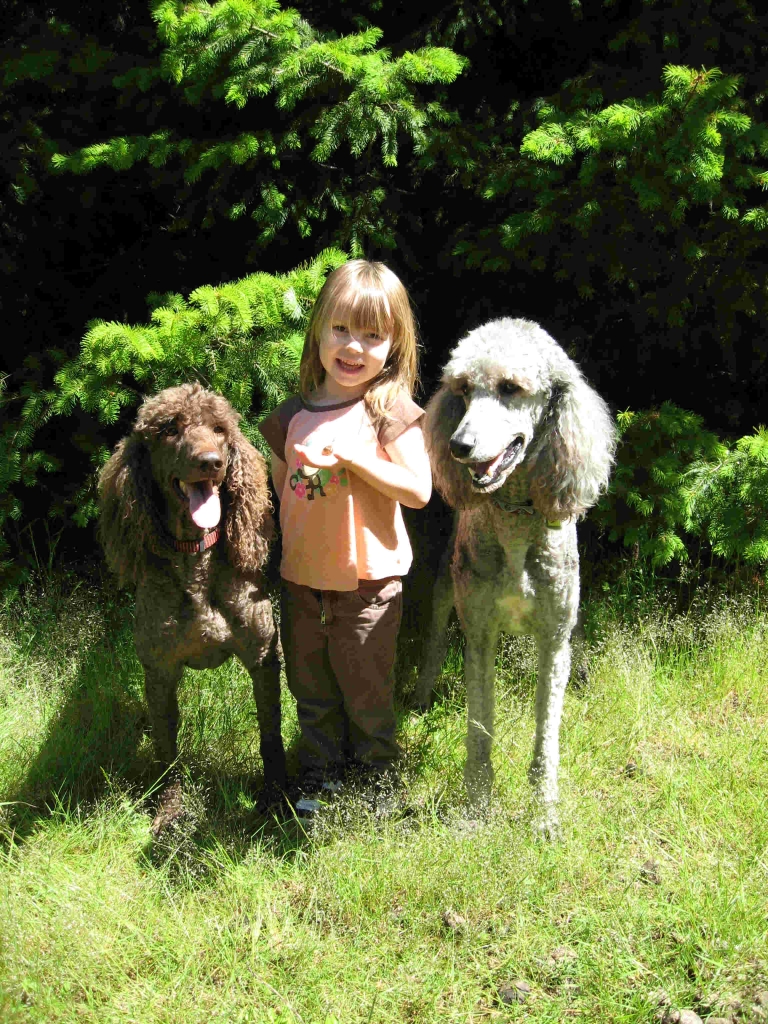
521 446
194 609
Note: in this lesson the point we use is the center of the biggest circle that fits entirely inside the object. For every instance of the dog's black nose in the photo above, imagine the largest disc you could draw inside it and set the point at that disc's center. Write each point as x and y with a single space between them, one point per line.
460 449
210 460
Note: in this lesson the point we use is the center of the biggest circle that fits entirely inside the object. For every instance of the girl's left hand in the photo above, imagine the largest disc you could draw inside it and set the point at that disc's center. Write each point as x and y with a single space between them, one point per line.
321 458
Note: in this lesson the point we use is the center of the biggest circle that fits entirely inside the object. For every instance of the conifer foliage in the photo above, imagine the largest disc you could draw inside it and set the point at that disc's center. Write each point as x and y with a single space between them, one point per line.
242 339
334 92
652 196
730 501
649 507
676 482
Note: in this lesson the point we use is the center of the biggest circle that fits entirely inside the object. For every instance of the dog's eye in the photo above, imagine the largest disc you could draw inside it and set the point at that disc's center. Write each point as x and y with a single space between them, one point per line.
218 429
464 388
508 387
169 430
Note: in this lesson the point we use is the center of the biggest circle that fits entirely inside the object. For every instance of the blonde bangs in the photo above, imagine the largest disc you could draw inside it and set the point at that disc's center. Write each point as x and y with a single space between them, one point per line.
368 310
366 295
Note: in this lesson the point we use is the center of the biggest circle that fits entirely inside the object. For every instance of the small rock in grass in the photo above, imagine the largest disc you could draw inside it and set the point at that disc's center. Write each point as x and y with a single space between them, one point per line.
560 953
632 769
659 997
453 920
681 1017
514 992
649 872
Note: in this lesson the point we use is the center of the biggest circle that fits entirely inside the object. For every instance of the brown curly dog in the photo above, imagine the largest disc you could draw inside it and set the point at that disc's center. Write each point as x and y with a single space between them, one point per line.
186 520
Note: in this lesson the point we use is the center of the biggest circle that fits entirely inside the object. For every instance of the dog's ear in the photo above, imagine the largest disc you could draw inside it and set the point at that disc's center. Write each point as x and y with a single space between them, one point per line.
128 519
571 460
451 479
249 526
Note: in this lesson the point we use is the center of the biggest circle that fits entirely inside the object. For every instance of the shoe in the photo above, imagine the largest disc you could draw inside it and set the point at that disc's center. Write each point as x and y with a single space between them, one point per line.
308 806
317 792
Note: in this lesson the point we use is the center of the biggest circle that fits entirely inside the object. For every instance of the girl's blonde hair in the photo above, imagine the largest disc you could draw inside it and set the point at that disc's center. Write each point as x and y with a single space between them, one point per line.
366 294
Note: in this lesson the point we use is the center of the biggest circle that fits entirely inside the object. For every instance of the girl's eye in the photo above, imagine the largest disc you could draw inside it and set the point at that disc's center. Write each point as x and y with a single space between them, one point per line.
339 328
373 336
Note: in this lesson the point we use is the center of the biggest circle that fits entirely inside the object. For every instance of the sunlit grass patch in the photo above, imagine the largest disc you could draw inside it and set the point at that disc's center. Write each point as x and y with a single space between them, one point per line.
659 881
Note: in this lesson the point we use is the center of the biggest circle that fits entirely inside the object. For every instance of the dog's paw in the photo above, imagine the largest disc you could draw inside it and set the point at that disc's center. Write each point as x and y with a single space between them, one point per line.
271 798
546 825
170 808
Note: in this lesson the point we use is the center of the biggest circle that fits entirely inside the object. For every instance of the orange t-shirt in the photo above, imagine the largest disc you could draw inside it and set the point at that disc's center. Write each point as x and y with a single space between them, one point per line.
337 529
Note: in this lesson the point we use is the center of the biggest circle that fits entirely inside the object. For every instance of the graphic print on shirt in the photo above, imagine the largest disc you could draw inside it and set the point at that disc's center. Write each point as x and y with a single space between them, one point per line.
307 481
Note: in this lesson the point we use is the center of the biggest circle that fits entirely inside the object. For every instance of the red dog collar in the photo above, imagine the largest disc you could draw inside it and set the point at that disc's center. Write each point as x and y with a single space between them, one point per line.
196 547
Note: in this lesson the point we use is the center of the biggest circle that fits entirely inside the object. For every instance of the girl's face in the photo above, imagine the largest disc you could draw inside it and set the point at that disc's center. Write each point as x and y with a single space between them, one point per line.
352 356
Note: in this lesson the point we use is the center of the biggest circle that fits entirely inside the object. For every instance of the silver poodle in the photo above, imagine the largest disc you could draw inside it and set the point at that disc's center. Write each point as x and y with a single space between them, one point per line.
521 446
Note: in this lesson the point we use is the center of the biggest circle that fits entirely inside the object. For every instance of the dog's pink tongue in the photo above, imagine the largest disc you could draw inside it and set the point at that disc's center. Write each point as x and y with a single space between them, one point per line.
481 469
204 504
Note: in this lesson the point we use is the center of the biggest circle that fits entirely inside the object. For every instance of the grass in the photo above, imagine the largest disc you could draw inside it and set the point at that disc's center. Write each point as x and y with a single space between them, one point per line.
660 880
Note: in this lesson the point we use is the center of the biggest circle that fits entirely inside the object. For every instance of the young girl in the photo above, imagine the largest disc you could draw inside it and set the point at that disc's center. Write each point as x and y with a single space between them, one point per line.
346 453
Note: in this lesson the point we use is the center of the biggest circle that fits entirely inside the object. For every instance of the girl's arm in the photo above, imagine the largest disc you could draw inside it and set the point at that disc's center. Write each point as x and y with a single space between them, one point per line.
279 473
408 452
407 478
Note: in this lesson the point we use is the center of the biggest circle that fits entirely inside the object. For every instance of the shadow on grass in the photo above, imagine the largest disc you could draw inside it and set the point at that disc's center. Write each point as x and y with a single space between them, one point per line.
96 742
222 827
94 733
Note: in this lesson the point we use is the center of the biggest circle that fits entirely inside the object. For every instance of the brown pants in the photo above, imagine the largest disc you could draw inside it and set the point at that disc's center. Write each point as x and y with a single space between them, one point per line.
339 649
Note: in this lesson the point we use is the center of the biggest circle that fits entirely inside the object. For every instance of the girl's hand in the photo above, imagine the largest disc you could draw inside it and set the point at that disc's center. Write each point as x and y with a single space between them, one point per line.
406 477
320 458
331 457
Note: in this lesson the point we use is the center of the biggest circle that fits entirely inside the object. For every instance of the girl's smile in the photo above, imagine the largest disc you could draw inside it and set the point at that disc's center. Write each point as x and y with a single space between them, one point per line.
348 366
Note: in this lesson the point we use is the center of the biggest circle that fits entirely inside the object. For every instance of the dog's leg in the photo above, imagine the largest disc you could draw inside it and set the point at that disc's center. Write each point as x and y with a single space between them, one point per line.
479 674
160 684
554 669
266 692
437 638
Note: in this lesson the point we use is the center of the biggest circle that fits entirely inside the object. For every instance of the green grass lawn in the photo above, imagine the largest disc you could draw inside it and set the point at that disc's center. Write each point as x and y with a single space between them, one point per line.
660 881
